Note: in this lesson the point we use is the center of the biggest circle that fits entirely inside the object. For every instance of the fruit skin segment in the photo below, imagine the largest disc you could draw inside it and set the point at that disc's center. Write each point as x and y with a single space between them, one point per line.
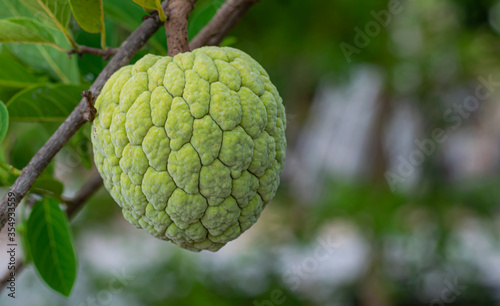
191 147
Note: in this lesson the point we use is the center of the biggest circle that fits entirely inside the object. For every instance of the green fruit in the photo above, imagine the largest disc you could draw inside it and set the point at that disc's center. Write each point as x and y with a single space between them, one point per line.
191 147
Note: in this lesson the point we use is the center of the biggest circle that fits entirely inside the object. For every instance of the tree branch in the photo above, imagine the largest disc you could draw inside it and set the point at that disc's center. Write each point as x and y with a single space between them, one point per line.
213 33
224 20
74 205
105 53
76 119
176 26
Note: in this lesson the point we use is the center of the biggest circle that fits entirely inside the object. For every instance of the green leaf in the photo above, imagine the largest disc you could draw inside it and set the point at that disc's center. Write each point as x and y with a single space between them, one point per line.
88 14
29 138
228 41
53 13
15 75
49 60
152 4
4 121
41 57
22 224
44 103
126 14
21 230
50 184
25 30
50 245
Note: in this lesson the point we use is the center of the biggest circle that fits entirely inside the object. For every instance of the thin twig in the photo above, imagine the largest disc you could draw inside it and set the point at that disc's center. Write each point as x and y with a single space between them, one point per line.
10 169
176 26
76 119
224 20
105 53
74 204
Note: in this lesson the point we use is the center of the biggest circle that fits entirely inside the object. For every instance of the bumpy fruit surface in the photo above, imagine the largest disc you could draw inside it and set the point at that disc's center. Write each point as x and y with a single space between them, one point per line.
191 147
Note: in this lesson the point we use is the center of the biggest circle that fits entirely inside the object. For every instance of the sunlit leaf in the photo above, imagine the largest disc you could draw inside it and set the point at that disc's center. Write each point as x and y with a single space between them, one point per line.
150 4
50 245
44 103
88 14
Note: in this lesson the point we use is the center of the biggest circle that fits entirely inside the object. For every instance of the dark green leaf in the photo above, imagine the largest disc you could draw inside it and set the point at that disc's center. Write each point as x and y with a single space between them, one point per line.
25 30
44 103
4 121
88 14
125 13
49 184
50 245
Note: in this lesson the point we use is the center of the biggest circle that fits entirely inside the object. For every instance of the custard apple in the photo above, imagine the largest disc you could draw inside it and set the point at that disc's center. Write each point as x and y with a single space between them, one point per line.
191 147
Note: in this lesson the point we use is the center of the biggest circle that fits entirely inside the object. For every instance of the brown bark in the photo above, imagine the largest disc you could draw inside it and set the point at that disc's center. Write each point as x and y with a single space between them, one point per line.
106 54
176 26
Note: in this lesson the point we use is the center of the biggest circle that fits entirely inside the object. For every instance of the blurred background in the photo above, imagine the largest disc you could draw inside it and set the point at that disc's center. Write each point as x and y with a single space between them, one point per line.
391 188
